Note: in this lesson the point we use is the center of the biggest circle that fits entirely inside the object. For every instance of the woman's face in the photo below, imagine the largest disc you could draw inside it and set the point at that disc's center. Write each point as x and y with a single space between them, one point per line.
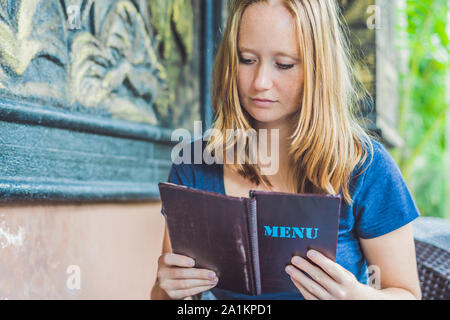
270 68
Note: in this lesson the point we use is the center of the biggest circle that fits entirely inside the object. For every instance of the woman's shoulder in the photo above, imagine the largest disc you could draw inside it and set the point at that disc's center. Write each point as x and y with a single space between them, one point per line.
382 200
378 173
378 159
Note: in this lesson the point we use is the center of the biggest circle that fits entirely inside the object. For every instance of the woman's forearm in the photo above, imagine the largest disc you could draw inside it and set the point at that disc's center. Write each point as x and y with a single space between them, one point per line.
369 293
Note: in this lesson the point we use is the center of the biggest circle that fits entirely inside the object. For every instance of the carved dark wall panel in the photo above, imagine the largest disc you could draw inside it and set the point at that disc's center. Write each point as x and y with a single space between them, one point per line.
91 90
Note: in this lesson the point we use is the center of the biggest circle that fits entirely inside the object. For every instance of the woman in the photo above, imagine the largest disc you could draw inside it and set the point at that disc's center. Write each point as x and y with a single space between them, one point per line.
284 65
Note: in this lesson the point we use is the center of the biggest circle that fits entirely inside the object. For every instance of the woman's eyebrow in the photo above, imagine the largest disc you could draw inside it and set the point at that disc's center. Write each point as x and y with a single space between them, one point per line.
276 53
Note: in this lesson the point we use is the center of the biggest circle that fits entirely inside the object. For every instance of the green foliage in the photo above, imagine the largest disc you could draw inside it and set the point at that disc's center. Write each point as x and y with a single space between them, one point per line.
424 106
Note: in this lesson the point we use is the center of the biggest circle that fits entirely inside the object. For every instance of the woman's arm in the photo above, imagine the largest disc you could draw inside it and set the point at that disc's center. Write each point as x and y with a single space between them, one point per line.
392 253
395 256
157 293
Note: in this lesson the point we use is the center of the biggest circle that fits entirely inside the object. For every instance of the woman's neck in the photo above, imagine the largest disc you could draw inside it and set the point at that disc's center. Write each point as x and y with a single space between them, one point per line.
279 157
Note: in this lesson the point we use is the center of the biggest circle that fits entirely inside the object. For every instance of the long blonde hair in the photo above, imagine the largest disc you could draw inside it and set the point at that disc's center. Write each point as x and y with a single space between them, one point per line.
327 142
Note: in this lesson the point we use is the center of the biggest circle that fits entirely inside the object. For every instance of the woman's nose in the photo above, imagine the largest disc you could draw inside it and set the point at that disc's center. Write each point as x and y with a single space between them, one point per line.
263 78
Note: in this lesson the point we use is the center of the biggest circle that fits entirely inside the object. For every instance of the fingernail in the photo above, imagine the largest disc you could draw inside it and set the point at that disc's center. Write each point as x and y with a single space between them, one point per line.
289 270
212 276
312 254
296 260
215 280
192 263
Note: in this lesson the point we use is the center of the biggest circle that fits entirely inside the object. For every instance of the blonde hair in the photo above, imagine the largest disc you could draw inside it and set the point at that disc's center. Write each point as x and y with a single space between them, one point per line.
327 142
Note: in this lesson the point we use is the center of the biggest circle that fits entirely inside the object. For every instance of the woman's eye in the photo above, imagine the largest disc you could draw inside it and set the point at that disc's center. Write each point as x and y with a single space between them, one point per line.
285 66
280 65
245 61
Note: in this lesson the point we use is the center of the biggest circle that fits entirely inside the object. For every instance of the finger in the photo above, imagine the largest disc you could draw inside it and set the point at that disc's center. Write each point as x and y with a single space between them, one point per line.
305 293
337 272
187 273
316 273
310 285
176 284
181 294
178 260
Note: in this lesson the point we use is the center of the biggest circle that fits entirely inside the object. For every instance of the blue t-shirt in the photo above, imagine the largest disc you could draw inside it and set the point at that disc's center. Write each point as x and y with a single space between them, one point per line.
381 203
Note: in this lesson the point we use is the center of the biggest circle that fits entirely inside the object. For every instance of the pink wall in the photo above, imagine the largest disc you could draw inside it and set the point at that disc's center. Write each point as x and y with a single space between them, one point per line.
114 248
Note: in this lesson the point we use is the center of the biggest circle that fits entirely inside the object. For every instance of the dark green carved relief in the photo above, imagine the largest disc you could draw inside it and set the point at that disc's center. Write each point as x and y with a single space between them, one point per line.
131 60
117 68
33 60
91 90
175 29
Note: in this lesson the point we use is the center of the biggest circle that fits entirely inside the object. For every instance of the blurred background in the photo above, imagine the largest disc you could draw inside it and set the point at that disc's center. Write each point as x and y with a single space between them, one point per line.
423 29
91 91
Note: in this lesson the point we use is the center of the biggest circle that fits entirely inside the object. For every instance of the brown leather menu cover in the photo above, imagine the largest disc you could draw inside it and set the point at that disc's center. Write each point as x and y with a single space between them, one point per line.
212 229
249 241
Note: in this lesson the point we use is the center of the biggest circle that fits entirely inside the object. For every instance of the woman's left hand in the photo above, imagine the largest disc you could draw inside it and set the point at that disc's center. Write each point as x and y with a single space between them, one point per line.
329 282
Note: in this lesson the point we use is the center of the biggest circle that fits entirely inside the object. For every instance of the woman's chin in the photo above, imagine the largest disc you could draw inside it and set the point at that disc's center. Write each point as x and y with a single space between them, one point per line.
267 116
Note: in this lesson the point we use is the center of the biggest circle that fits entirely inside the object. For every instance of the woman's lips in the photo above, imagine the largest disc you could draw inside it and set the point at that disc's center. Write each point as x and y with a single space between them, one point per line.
263 102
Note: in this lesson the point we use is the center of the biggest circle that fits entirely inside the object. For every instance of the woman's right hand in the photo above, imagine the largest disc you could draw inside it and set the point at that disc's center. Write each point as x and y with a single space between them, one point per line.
178 278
